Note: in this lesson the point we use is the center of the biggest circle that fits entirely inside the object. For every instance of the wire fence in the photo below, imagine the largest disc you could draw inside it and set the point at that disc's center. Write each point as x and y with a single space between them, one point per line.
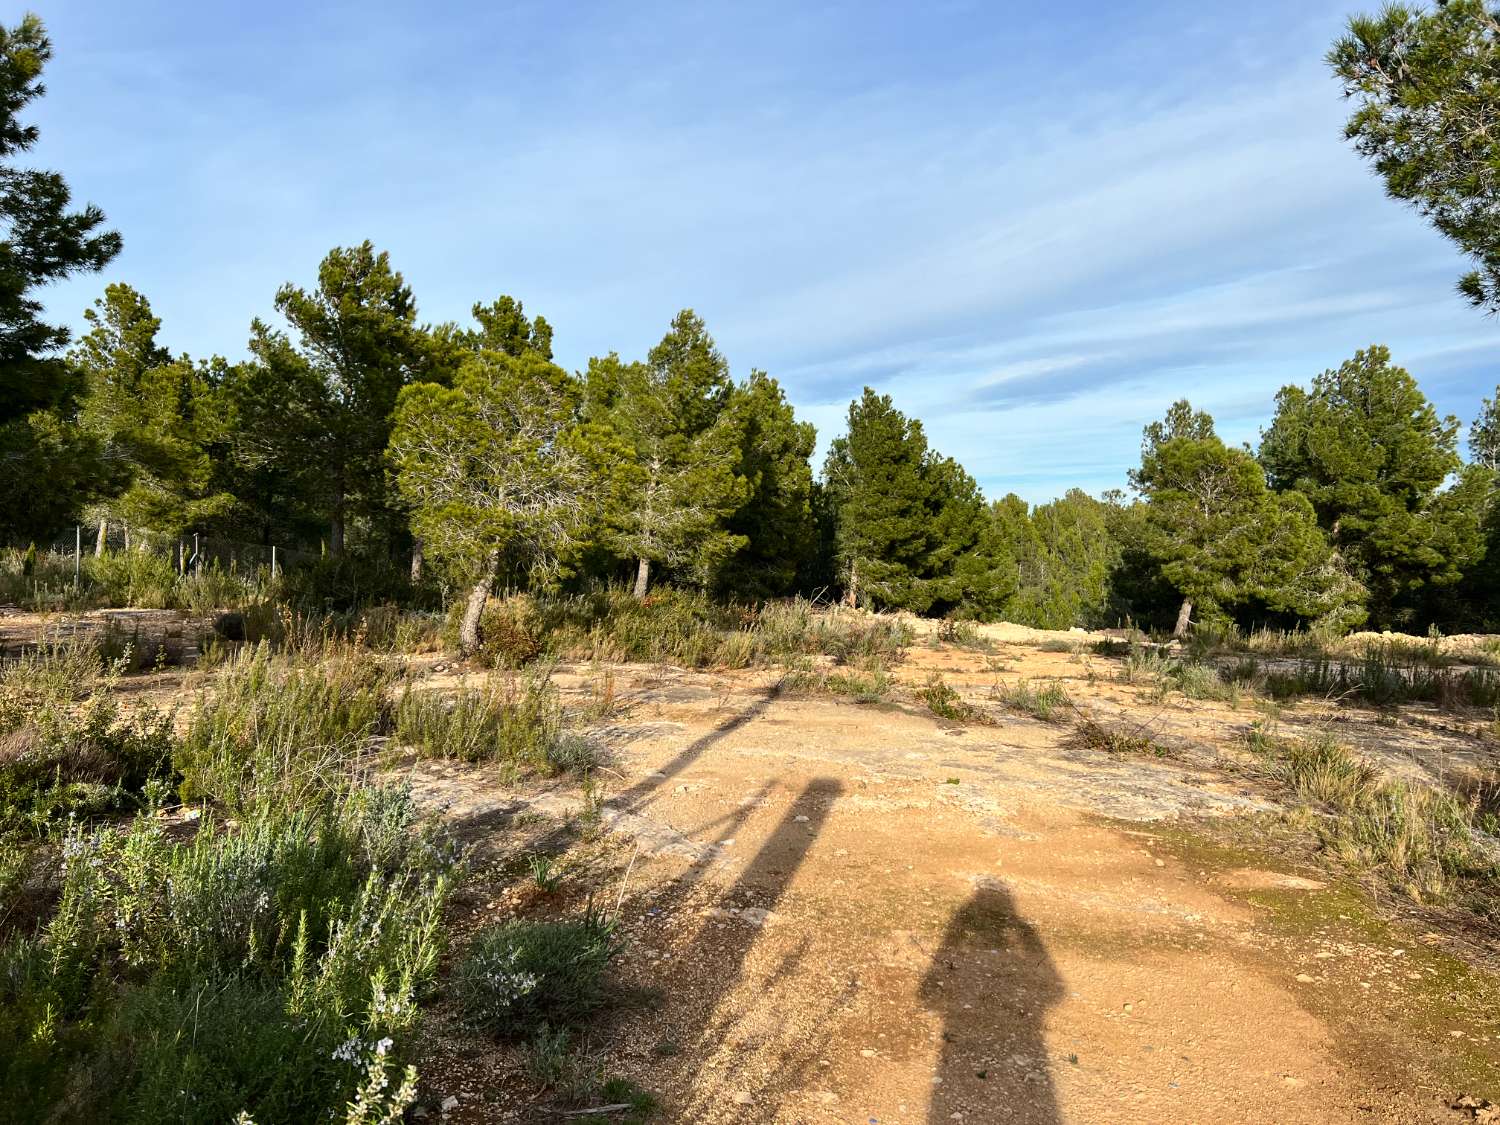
187 553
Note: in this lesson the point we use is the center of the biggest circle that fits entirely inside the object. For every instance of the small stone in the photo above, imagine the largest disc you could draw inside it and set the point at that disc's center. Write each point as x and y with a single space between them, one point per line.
867 1054
742 1097
801 819
1161 863
1303 978
450 1103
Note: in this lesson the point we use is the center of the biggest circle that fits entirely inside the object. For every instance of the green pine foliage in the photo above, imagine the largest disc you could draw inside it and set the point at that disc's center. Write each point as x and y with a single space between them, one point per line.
1425 82
1371 455
52 467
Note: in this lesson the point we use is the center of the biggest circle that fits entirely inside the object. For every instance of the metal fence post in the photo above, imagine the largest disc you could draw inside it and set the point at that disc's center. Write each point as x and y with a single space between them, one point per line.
273 562
77 554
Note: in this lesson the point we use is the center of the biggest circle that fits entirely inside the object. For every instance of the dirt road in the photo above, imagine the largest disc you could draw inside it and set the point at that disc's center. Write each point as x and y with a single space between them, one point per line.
859 913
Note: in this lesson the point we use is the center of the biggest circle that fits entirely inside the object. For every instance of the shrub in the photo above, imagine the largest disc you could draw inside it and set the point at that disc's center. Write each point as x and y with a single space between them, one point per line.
289 949
512 632
1044 702
946 703
134 578
1113 740
514 721
347 581
1425 840
279 729
520 975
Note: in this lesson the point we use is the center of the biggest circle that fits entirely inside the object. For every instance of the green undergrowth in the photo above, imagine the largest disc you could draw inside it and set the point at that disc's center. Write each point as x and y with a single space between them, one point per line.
1435 845
515 721
682 628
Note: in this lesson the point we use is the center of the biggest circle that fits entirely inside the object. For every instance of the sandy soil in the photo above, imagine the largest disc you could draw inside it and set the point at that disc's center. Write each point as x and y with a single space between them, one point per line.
860 913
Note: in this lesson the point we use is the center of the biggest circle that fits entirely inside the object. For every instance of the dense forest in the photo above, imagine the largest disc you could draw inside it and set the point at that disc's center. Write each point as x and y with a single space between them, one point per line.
404 454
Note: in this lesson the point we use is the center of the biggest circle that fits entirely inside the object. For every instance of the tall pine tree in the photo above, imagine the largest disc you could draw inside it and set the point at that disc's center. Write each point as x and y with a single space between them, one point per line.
49 467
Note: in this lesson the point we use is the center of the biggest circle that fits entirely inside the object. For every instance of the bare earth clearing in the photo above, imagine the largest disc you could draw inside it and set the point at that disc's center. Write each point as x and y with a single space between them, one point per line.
844 912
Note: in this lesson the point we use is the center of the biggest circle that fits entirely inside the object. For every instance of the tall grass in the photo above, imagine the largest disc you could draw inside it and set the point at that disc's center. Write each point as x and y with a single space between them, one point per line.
274 730
683 628
1047 701
516 721
1426 841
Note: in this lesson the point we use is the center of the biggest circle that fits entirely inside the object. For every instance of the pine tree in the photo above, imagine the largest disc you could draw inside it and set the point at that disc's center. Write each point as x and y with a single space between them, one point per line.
681 478
876 475
1484 434
357 333
1426 82
491 473
776 519
156 416
1221 538
48 466
1366 447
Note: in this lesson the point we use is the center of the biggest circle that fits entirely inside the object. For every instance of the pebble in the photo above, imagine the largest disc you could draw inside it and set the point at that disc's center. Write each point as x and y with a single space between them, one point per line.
742 1097
1303 978
450 1103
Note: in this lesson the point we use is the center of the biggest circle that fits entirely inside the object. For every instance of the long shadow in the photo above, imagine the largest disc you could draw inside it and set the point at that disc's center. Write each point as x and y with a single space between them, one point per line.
642 793
992 982
632 800
723 945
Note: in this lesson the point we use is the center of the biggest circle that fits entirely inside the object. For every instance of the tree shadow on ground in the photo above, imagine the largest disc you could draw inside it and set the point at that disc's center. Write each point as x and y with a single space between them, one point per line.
643 792
771 1052
992 982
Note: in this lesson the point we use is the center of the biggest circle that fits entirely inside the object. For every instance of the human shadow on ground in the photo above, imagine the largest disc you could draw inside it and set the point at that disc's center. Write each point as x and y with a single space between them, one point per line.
992 983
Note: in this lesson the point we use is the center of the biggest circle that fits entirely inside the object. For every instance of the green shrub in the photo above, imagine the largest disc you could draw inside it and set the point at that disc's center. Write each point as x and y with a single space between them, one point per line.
349 581
1045 702
516 721
276 729
512 631
134 578
1425 840
946 703
299 937
520 975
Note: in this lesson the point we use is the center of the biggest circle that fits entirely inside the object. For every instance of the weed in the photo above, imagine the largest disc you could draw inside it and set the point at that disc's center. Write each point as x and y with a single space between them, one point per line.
1424 840
515 721
1045 702
281 730
1113 740
518 975
946 703
545 875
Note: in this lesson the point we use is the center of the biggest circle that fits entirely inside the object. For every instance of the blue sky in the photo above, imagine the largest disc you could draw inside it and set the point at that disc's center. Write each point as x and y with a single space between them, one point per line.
1034 226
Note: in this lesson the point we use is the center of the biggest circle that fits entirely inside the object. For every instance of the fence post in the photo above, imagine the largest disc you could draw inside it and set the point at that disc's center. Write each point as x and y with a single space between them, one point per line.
77 554
273 562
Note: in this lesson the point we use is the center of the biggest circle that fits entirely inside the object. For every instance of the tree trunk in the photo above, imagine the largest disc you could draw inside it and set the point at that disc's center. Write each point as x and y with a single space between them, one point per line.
470 635
416 561
1184 617
853 594
642 576
102 539
336 531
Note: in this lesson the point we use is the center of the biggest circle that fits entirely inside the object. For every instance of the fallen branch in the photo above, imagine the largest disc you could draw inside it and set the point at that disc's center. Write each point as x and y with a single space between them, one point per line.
596 1111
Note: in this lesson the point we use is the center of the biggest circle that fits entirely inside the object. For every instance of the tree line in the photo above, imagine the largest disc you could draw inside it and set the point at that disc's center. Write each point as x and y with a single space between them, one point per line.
466 452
